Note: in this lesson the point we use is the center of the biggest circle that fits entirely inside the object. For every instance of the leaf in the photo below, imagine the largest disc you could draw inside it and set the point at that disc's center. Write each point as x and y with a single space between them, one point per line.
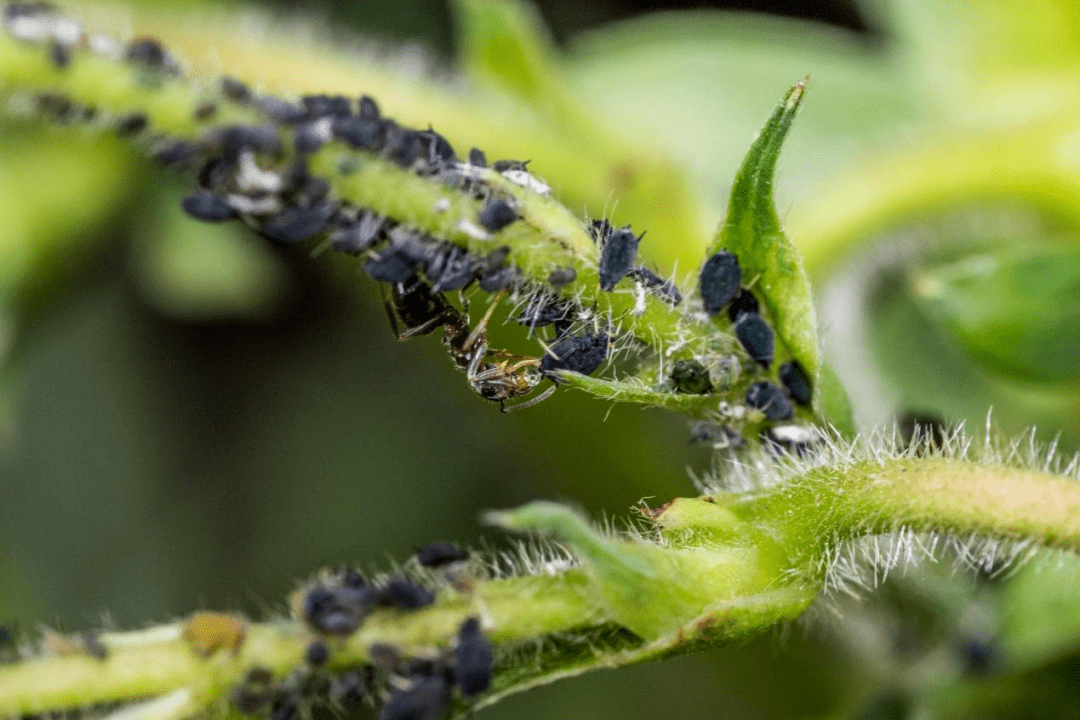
752 232
650 589
834 404
1016 310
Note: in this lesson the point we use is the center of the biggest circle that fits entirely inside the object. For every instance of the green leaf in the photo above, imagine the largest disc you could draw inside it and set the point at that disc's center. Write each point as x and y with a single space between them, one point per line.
752 233
834 404
1016 310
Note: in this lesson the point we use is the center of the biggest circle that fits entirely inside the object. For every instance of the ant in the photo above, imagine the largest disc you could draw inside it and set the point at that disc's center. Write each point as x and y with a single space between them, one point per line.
493 374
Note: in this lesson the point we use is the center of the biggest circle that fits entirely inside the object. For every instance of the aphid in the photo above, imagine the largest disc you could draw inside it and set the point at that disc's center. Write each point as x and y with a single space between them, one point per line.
794 439
59 54
439 554
210 632
312 135
318 106
369 109
317 653
235 140
978 655
690 376
286 706
177 153
794 379
719 281
349 689
756 337
425 699
439 148
926 429
562 276
582 354
347 577
477 158
666 289
93 647
501 166
148 53
769 399
419 309
617 257
599 230
207 207
281 110
403 146
744 302
718 436
473 659
543 310
500 279
398 592
56 106
295 224
355 237
359 132
235 90
254 692
335 610
451 268
131 124
497 214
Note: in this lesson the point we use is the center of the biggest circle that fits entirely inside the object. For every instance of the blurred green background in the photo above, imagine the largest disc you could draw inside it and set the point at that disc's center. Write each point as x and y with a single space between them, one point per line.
180 433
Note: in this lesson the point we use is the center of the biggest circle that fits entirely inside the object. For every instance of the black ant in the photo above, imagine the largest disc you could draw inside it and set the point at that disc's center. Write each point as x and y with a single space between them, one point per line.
493 374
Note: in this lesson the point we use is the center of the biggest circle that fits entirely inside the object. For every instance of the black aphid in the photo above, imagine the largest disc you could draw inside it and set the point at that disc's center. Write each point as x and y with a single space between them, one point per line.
440 553
744 302
420 309
235 90
719 281
148 53
294 224
562 276
398 592
769 399
473 659
930 428
312 135
369 109
718 436
477 158
207 207
355 237
317 653
404 146
581 354
543 310
426 699
236 139
439 148
496 215
281 110
254 692
978 656
791 439
690 376
359 132
617 257
499 279
131 124
664 288
59 54
350 688
335 610
756 337
286 706
451 268
504 165
347 577
93 647
599 230
205 111
794 379
177 153
318 106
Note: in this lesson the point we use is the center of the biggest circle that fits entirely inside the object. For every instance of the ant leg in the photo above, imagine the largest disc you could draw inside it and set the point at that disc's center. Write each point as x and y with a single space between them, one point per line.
481 327
474 361
528 403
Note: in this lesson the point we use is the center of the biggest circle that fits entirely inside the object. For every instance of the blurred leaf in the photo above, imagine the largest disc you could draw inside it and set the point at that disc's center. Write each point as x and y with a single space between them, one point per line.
752 233
834 403
194 270
1040 615
1017 310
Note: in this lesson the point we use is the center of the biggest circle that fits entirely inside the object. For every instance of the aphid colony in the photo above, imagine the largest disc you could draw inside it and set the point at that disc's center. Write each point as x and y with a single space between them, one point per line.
260 174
